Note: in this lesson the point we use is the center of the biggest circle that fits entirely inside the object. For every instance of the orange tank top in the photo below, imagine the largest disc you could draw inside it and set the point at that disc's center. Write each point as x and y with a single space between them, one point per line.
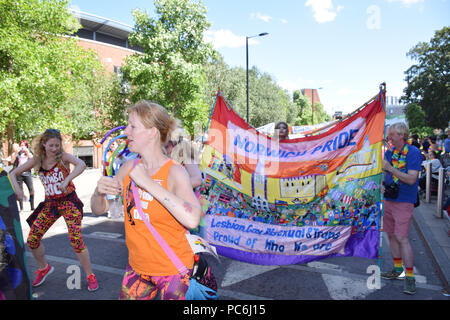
145 254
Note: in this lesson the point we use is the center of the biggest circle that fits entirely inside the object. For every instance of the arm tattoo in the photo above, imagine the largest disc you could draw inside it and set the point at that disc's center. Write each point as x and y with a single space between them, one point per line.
187 207
169 203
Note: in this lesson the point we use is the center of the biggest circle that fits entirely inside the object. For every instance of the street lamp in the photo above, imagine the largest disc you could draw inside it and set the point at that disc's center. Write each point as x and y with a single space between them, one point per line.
312 102
246 50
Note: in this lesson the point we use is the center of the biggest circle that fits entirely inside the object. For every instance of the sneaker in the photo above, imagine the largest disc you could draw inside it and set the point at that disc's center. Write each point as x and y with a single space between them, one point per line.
409 286
92 282
393 275
41 275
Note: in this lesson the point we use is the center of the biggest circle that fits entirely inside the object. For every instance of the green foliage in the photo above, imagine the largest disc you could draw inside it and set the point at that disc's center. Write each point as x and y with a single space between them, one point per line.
170 69
422 132
415 116
320 115
46 79
429 79
416 121
302 111
267 101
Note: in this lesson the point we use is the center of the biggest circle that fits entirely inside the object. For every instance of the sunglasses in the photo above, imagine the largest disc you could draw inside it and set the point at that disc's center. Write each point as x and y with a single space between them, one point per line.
52 131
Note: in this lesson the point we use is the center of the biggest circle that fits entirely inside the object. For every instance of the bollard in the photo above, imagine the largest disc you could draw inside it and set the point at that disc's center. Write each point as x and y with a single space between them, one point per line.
440 194
428 182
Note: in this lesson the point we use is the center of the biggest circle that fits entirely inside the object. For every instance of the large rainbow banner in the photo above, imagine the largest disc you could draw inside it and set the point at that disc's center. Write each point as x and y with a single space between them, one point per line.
292 201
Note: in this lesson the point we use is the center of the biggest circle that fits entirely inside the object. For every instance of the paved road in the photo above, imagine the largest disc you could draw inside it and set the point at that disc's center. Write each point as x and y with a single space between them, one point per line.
329 279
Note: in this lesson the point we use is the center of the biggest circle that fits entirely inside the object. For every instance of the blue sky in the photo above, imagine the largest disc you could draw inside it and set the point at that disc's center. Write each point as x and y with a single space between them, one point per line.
345 47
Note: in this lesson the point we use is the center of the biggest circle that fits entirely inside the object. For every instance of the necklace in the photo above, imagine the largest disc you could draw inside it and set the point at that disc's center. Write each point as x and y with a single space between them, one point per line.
399 160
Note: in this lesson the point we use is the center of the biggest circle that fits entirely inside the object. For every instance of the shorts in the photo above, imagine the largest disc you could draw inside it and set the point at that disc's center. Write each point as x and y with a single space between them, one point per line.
145 287
397 217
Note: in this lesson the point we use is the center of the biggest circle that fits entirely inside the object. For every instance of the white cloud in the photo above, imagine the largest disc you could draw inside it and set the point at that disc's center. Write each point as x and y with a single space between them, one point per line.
345 91
300 83
288 85
324 10
284 21
260 16
226 39
406 2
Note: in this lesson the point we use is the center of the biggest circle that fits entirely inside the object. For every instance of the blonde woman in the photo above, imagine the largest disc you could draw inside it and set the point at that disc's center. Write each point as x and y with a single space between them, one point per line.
52 163
167 199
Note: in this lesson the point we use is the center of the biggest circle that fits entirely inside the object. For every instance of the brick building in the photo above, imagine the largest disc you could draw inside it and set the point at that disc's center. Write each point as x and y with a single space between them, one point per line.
310 94
109 39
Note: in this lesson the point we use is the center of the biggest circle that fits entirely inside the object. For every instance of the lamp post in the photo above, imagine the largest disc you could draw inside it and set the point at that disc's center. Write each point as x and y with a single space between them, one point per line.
312 103
246 51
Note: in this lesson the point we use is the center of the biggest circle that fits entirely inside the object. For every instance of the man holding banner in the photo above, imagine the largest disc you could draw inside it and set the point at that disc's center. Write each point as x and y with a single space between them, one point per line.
401 165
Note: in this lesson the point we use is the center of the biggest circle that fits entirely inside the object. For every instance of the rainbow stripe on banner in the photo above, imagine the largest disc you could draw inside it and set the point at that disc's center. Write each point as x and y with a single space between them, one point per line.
292 201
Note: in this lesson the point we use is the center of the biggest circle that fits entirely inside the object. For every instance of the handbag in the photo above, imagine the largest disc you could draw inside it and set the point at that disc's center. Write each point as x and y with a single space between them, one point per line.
391 190
202 283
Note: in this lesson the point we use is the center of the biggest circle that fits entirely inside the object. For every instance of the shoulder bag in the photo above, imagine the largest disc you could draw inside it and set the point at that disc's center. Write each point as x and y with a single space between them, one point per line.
202 283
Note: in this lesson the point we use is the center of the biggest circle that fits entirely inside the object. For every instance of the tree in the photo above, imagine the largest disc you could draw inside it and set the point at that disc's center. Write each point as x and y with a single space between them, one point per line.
415 116
220 76
429 79
416 120
320 115
170 68
302 113
45 77
267 101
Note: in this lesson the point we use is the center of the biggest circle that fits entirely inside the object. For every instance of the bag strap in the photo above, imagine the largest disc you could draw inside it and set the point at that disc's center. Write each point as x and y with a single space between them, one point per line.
164 245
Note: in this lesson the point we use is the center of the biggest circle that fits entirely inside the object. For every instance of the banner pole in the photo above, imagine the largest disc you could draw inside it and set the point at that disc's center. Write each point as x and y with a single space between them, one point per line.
319 130
210 117
380 254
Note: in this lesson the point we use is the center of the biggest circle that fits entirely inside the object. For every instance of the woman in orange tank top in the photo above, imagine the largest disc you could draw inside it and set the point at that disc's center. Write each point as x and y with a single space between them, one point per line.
167 200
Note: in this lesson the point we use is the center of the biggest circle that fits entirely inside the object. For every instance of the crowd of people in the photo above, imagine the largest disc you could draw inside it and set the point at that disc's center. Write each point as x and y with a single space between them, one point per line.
435 151
167 188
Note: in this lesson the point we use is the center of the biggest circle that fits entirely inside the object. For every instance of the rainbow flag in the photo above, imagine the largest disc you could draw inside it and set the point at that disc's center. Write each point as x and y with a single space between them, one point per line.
292 201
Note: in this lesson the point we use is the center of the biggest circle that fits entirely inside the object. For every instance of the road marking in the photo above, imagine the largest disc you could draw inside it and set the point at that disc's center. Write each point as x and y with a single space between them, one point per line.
340 285
331 271
343 288
323 265
94 235
94 266
238 271
107 235
420 280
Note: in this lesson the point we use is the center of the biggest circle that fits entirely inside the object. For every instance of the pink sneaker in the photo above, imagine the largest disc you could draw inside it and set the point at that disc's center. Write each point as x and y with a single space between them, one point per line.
92 282
41 275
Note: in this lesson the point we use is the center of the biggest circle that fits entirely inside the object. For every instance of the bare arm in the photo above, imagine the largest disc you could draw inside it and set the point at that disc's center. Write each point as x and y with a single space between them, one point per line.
409 177
17 172
179 200
194 174
108 185
79 167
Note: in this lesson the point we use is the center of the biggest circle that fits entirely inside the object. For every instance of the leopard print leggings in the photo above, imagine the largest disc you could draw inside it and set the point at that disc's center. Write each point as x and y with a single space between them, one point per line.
46 219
